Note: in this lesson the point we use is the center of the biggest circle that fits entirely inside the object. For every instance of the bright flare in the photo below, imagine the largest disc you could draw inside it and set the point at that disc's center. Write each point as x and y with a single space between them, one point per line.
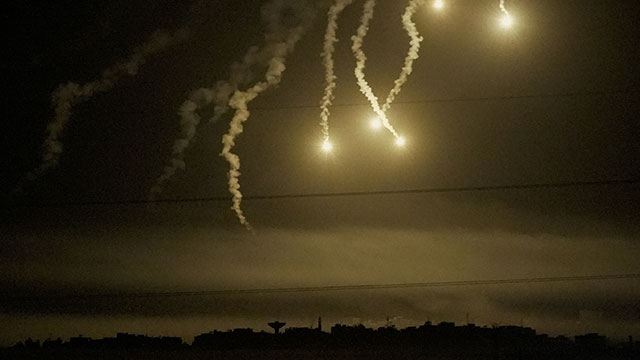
330 38
361 60
376 124
506 22
327 146
438 4
400 141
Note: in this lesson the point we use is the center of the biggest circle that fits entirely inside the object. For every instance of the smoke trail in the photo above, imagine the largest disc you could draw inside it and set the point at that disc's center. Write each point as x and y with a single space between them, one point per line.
327 56
413 54
503 8
68 95
506 22
241 73
361 60
281 46
190 119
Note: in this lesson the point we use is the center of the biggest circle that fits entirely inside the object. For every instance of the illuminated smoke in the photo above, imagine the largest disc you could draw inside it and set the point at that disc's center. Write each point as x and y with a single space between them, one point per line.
190 119
414 49
361 60
328 49
68 95
282 42
241 73
506 21
503 8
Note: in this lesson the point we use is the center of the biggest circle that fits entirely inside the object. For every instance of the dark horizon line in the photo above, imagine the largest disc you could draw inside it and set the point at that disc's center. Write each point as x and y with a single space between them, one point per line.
291 331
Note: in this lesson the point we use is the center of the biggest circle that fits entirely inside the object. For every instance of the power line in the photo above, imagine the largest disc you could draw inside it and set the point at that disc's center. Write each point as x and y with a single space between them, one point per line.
357 287
532 186
464 99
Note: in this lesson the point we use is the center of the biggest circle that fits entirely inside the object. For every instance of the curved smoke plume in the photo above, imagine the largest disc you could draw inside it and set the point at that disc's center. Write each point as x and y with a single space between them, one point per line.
241 73
328 49
190 119
503 8
412 55
283 40
68 95
407 69
361 60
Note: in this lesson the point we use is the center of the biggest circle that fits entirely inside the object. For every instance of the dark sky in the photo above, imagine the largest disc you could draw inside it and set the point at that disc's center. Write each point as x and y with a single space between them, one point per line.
555 99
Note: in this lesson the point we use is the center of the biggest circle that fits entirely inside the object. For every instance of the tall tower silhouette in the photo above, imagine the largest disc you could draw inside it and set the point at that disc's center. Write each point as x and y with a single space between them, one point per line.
276 325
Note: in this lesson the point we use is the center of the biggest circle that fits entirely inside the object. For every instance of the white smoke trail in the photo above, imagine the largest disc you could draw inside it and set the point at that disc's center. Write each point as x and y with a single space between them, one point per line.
361 60
506 21
241 73
328 49
190 119
239 101
503 8
413 54
66 96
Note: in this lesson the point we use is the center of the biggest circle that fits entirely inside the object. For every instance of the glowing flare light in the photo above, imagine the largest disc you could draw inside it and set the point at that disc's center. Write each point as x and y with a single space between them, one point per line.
327 146
376 124
506 21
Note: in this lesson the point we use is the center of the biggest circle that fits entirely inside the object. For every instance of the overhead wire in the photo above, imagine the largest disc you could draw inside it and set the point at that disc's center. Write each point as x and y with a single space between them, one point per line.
433 190
352 287
460 99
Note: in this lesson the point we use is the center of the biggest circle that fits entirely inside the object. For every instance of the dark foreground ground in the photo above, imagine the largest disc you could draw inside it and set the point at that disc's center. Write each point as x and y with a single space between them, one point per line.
444 341
303 354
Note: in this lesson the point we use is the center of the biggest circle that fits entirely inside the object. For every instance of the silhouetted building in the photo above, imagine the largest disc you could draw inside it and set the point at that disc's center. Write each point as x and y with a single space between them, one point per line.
591 342
428 341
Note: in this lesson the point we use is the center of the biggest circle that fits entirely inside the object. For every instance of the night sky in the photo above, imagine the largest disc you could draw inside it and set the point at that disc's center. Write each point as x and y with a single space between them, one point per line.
555 99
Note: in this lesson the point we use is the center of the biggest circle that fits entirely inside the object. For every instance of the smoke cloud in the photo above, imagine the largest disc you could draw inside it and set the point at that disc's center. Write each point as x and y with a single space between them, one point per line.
327 59
282 41
68 95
